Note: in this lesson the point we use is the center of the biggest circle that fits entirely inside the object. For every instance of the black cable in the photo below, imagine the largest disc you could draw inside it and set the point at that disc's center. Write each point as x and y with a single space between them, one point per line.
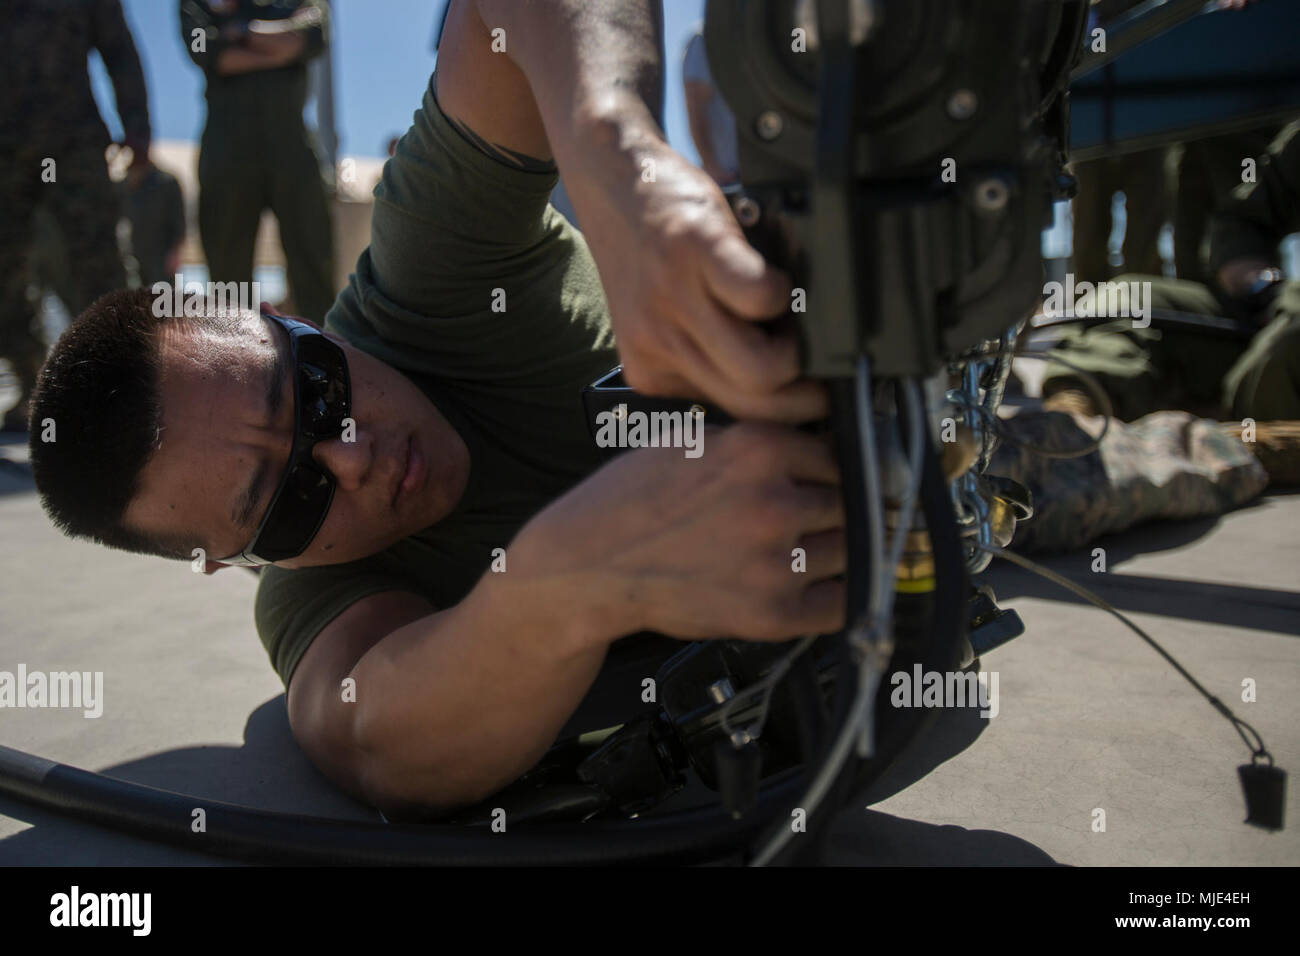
690 836
1257 748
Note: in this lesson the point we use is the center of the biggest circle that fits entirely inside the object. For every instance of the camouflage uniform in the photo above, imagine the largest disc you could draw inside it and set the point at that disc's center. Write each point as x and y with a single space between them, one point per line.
1146 369
256 152
1168 465
47 112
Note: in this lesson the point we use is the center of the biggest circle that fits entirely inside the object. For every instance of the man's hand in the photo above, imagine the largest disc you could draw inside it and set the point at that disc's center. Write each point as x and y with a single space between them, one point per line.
283 48
579 80
699 548
261 45
687 292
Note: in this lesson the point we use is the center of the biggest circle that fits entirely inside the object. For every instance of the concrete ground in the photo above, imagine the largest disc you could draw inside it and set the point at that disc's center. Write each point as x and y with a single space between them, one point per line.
1090 717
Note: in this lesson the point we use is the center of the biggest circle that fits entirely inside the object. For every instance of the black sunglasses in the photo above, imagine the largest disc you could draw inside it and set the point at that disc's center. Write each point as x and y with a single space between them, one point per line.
322 400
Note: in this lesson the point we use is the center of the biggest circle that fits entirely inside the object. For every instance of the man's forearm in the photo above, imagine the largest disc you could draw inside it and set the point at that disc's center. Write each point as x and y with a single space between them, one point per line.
455 706
595 68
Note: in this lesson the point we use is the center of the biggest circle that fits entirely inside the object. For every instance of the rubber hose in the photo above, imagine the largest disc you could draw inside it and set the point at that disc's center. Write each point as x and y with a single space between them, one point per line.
690 836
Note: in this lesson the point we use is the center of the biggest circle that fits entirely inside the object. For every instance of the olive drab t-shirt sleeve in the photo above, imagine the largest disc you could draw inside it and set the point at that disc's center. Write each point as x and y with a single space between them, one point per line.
471 275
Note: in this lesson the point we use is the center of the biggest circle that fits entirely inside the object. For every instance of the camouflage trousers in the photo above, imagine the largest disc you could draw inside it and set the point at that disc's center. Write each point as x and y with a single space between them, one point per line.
1143 370
86 207
1166 465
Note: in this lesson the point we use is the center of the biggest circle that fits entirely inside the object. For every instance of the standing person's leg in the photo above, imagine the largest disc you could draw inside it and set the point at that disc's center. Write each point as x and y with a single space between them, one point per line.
299 202
232 195
1142 178
1192 207
1090 211
19 341
88 207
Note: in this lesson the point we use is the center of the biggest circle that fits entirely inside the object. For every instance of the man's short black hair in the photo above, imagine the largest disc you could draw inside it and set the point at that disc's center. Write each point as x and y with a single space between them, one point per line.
97 397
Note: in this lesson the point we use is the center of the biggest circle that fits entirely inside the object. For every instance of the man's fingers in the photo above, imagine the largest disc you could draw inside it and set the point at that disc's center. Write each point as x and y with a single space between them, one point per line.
794 404
821 608
824 554
801 401
809 458
749 358
738 276
823 508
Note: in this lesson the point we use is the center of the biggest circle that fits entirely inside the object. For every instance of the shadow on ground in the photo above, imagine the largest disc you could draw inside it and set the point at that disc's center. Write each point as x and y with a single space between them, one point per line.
865 837
268 772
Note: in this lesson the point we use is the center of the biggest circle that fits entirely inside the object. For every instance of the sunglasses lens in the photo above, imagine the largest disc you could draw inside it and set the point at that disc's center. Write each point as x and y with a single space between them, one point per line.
298 514
323 387
324 401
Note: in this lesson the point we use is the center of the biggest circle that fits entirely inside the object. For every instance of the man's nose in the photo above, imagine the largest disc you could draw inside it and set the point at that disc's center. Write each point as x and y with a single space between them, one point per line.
350 462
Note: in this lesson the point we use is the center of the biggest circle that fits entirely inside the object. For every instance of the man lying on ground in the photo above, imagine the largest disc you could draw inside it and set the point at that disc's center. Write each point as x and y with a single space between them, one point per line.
439 426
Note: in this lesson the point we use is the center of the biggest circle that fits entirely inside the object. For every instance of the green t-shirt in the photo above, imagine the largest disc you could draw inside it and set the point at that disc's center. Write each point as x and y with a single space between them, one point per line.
453 230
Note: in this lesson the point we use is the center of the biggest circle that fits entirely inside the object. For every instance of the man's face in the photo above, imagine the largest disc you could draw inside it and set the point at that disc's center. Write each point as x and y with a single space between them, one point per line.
227 428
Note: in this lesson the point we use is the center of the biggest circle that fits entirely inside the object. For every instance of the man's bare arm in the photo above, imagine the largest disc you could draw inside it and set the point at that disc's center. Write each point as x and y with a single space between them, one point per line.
449 706
452 706
578 80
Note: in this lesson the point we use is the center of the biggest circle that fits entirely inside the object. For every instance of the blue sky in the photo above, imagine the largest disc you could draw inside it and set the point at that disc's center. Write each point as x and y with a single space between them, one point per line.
383 55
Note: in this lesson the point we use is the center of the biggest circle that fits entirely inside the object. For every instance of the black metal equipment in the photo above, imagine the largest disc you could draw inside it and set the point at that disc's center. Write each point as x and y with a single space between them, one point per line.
902 175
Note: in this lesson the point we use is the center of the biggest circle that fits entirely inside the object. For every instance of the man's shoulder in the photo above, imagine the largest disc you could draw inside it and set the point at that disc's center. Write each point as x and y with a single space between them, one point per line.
292 607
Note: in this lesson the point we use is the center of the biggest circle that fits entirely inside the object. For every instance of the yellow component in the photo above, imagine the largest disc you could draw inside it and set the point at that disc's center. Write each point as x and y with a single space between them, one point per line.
914 586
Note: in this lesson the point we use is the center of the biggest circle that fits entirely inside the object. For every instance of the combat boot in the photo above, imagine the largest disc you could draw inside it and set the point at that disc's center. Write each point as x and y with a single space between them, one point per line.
1275 444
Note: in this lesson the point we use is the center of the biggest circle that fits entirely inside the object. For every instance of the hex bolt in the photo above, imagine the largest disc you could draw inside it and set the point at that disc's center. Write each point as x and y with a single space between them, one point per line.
962 104
991 195
769 124
747 210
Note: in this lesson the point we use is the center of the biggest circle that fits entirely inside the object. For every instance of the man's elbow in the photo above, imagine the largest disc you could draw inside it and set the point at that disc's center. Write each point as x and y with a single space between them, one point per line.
408 785
413 792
